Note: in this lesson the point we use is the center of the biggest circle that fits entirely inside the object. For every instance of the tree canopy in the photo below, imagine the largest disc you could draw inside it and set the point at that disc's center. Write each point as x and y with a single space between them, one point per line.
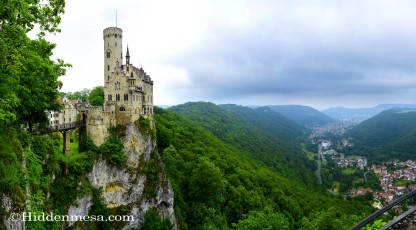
29 82
96 96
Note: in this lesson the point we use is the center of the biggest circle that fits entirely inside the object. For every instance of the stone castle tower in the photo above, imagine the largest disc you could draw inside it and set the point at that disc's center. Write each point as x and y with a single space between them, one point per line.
128 90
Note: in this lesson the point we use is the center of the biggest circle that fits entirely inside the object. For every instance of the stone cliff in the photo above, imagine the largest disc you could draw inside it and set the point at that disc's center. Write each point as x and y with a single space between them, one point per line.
130 187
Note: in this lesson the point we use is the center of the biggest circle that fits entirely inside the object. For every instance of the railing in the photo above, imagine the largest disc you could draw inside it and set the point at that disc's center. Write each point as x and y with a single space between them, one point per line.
383 210
60 127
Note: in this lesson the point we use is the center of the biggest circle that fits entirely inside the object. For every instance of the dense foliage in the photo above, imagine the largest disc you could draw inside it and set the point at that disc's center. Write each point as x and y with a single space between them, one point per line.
256 133
96 96
81 95
388 135
218 186
29 78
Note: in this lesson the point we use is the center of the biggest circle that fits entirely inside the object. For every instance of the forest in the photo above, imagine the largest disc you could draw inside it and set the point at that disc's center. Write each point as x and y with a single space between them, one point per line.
219 186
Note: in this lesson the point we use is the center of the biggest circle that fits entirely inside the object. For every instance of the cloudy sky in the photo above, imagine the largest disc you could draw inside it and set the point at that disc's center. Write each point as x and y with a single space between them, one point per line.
353 53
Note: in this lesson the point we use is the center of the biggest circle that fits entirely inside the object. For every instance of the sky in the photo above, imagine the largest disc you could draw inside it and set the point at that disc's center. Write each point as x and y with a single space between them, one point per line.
354 53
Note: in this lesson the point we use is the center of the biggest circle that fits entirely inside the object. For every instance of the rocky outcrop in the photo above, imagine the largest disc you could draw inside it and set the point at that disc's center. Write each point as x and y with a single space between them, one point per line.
126 187
12 221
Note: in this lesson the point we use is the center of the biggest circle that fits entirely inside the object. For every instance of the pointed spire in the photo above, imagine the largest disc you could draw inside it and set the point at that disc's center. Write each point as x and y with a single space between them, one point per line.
127 55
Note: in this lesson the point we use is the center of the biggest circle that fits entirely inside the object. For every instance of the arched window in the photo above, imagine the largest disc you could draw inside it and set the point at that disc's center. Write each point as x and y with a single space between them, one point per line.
122 108
108 54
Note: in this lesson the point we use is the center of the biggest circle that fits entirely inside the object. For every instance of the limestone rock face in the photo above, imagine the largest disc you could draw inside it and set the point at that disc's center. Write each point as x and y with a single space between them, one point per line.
126 186
7 204
81 209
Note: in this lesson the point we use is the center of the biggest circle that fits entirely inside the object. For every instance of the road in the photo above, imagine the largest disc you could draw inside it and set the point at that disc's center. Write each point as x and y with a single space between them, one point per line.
318 172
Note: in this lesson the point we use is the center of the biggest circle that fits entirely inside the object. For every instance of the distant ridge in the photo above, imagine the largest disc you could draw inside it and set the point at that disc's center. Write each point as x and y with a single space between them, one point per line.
362 113
303 115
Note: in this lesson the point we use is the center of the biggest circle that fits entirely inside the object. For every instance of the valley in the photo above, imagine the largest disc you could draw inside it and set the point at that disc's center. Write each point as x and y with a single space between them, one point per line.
348 170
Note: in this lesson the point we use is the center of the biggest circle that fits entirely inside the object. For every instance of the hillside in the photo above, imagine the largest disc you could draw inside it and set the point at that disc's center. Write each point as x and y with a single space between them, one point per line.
269 121
218 186
241 127
303 115
390 134
362 113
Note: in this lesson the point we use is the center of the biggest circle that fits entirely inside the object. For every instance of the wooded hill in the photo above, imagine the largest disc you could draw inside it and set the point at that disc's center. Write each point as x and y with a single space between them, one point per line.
388 135
227 173
303 115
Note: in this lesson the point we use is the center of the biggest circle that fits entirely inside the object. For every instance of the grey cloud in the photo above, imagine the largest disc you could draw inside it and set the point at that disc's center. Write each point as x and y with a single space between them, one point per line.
262 60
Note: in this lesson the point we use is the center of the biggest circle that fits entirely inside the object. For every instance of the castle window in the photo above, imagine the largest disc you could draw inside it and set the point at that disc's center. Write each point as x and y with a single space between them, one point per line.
108 78
122 108
108 67
117 85
117 97
126 97
108 54
110 97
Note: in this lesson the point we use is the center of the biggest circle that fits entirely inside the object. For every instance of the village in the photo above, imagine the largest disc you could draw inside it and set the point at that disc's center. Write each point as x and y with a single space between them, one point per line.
395 178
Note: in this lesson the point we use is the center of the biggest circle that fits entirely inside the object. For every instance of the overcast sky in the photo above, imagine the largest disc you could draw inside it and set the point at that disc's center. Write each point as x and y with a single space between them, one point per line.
352 53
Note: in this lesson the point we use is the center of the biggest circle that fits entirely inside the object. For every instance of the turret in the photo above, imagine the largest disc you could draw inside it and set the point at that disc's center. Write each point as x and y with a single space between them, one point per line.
127 56
113 50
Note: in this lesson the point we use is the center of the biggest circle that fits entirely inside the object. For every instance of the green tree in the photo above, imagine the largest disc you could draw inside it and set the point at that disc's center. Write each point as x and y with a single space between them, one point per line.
207 184
153 221
96 96
39 85
24 61
266 219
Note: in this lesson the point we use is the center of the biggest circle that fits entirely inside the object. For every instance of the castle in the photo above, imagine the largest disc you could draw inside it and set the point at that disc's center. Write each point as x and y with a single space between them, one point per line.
128 90
128 94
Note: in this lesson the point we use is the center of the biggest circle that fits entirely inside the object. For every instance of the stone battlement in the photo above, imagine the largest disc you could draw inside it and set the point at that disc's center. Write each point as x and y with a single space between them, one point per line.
113 31
100 108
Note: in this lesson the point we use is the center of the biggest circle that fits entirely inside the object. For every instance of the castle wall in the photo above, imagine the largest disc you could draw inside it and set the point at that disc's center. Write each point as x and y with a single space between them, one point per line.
96 126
